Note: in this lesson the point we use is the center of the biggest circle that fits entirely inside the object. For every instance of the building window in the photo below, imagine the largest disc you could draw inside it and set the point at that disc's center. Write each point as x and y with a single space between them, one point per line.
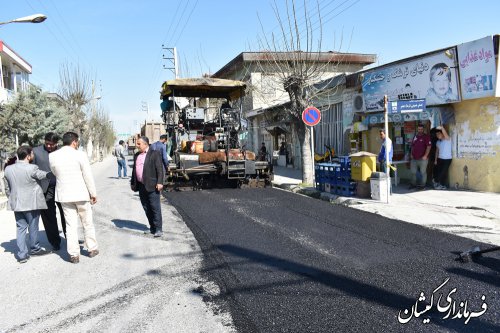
268 85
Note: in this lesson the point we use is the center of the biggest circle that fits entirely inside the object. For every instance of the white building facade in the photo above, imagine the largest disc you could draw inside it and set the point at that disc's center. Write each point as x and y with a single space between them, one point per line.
14 73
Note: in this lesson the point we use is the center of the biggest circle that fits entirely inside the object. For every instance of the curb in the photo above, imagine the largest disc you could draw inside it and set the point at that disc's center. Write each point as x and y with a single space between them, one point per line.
316 194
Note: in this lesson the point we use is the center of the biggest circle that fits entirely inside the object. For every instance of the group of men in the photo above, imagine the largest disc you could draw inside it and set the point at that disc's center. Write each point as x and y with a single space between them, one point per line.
46 177
419 157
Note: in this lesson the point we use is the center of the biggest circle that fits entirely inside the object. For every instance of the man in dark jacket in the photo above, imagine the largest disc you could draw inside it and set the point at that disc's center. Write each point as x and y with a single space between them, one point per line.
49 217
147 178
161 146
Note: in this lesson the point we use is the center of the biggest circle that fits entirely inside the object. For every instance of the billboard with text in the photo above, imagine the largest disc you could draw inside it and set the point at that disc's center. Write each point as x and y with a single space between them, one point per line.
433 77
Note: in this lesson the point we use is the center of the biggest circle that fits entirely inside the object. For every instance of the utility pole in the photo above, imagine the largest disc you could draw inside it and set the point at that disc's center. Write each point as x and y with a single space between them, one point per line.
145 108
171 58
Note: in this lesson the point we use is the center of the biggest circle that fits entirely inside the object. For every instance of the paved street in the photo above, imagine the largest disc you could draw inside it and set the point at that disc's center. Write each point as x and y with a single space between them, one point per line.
290 263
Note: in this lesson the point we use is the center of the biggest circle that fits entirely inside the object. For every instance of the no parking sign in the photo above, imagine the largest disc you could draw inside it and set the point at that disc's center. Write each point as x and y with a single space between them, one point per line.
311 116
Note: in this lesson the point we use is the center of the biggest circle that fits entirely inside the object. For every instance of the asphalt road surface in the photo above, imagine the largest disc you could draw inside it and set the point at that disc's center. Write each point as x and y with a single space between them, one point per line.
289 263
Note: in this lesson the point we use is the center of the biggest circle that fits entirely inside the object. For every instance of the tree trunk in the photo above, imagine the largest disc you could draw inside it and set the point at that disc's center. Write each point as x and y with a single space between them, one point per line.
304 134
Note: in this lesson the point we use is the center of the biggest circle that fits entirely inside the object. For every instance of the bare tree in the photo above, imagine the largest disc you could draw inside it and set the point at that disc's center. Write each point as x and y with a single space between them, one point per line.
102 132
87 118
75 89
294 56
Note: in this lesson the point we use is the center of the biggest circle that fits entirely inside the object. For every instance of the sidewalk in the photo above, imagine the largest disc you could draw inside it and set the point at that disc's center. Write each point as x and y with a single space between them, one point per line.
474 215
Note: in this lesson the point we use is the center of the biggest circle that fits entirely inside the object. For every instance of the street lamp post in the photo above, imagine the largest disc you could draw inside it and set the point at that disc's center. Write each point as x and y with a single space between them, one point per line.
35 18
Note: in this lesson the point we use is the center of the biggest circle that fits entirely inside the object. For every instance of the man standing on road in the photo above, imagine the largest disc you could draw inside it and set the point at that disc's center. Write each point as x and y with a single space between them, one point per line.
49 217
26 199
162 148
147 178
420 148
120 159
75 190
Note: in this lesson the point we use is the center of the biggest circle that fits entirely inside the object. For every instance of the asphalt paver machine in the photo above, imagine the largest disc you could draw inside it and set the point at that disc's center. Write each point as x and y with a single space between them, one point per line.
203 119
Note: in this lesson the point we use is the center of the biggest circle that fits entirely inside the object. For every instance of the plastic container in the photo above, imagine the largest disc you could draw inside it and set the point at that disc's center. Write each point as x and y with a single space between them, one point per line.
378 186
362 165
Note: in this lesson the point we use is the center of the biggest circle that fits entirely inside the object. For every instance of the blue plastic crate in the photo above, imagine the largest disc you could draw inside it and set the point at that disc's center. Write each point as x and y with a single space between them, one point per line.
345 173
319 172
333 181
346 190
347 193
330 172
345 161
344 180
320 186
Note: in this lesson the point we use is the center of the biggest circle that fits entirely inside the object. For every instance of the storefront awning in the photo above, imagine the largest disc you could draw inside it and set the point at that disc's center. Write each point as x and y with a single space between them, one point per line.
278 128
437 115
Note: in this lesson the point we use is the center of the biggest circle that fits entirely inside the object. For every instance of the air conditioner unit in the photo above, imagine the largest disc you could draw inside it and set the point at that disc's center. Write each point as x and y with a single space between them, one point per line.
358 103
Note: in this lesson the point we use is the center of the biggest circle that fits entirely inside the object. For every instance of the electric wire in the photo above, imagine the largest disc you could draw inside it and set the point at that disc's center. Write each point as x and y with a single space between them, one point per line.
156 72
69 53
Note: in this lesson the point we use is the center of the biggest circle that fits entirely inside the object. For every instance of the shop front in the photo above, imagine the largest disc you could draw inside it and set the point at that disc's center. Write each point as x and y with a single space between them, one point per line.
402 129
459 85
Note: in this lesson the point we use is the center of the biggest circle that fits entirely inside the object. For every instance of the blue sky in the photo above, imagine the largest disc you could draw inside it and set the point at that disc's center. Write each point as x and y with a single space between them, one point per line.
120 42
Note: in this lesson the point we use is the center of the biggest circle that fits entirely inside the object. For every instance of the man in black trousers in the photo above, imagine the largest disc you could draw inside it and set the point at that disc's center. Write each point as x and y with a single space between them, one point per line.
49 217
147 178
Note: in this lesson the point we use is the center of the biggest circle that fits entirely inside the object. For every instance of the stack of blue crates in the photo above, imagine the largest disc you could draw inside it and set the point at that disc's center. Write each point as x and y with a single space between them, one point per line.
320 178
344 186
335 178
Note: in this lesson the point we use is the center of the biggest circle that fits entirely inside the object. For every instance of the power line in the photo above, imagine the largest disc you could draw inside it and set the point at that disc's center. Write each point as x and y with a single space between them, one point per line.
68 29
47 26
187 21
156 69
320 23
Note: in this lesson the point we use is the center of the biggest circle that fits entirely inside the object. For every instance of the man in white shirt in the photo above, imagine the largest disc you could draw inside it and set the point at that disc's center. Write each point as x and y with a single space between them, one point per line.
75 190
443 158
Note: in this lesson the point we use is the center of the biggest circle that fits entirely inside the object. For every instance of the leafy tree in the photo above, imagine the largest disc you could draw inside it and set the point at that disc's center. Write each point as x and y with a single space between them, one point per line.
29 116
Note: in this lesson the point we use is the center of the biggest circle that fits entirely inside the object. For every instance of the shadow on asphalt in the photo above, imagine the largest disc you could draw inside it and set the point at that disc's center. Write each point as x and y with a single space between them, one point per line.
491 263
355 288
11 246
129 224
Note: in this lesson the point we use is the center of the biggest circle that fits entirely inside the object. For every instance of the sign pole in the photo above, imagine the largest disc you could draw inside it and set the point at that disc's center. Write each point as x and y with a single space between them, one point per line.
387 168
312 154
311 116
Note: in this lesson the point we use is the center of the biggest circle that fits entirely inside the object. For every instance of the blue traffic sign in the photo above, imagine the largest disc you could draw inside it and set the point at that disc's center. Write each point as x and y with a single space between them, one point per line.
311 116
407 106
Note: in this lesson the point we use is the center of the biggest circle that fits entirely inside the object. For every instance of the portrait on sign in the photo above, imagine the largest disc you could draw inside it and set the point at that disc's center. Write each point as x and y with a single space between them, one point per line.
433 77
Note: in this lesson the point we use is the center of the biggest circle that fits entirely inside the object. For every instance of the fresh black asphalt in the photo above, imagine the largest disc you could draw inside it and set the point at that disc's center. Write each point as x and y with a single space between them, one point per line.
289 263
